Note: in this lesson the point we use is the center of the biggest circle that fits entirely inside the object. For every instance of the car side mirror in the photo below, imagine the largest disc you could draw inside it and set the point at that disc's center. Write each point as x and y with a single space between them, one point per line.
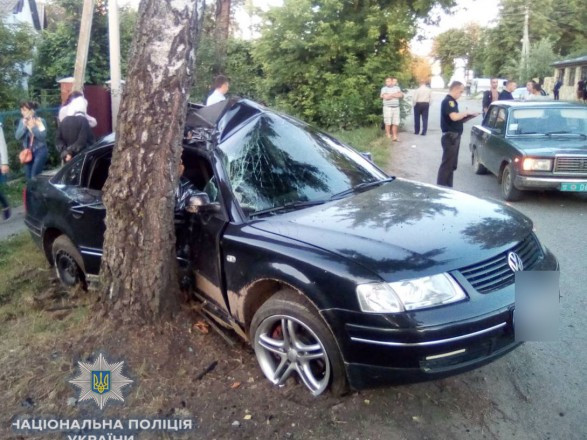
197 202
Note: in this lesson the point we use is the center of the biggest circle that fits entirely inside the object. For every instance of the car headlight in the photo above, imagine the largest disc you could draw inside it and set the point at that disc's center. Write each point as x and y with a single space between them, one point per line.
412 294
531 164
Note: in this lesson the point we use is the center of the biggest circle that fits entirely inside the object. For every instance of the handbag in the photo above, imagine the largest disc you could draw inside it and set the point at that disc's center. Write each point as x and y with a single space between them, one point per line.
26 155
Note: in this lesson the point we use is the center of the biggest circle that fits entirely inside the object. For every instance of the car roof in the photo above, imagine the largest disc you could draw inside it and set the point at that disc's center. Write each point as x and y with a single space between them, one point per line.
222 116
537 103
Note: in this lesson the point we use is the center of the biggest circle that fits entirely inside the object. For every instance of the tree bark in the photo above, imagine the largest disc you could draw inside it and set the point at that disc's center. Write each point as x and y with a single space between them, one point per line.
139 268
221 32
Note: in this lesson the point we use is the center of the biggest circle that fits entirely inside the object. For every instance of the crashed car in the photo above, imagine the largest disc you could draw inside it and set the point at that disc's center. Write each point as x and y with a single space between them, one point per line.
335 272
532 146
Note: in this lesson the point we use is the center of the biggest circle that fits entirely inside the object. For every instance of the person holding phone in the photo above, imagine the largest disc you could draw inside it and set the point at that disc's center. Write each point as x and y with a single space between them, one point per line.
32 132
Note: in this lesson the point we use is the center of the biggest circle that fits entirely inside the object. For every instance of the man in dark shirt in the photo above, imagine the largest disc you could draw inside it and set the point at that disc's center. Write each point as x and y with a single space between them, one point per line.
490 95
451 123
506 93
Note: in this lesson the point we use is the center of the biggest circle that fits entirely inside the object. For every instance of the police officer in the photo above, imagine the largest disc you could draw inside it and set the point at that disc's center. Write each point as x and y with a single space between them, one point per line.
451 123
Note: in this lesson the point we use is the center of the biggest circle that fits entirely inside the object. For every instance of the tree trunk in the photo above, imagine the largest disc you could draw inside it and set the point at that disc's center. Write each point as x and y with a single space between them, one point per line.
221 32
139 268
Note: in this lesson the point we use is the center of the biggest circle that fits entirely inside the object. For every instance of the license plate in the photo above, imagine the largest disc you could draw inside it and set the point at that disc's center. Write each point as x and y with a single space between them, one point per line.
576 187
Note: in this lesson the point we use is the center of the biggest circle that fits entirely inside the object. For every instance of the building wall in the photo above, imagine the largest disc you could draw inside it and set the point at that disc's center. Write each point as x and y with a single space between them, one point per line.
572 75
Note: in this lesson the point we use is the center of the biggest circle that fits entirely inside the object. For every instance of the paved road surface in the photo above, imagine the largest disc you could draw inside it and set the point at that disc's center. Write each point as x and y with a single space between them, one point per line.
13 225
539 390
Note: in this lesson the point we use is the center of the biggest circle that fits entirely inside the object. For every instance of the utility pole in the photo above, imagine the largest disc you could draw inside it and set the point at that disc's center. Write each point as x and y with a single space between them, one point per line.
114 38
83 45
525 44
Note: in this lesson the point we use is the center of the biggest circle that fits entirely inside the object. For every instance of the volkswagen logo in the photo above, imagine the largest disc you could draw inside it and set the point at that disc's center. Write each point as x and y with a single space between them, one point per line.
515 262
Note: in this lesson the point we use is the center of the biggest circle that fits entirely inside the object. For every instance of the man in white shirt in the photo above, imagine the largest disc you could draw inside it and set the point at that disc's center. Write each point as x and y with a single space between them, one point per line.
221 86
422 97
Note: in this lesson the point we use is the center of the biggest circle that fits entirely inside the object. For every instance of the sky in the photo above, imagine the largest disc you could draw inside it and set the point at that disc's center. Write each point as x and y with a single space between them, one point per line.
483 12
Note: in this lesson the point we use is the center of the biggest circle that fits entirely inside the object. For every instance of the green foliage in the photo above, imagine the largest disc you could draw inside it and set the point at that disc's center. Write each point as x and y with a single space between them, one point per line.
56 54
563 23
466 43
241 68
326 60
16 49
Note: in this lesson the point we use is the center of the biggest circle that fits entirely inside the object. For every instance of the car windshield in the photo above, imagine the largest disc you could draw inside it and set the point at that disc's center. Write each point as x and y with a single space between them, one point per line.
276 161
548 121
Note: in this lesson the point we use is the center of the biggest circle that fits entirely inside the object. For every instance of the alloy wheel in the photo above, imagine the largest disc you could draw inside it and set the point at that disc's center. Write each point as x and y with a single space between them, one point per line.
284 345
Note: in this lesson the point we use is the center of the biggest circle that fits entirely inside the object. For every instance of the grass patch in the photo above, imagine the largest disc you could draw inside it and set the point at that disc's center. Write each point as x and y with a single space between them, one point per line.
368 139
13 191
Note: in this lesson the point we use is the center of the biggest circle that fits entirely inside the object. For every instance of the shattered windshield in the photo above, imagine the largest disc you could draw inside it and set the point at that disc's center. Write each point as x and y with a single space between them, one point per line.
276 161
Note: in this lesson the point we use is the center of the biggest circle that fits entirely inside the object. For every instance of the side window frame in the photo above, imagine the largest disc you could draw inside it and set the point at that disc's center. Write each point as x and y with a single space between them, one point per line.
88 166
500 128
491 117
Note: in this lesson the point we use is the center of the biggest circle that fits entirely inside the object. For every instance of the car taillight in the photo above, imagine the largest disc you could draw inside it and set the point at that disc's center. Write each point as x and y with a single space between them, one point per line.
24 199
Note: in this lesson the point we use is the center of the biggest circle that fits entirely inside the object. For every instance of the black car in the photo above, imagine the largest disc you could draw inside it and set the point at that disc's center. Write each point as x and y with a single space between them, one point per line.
332 270
532 145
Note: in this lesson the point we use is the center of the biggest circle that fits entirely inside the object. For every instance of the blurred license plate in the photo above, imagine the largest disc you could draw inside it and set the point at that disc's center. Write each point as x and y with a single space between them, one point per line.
580 187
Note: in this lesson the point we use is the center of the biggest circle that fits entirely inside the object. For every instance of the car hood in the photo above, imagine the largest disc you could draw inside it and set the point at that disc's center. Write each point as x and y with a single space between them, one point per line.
405 229
543 146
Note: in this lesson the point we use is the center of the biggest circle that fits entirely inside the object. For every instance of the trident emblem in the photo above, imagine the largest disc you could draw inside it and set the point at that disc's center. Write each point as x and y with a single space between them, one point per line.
100 381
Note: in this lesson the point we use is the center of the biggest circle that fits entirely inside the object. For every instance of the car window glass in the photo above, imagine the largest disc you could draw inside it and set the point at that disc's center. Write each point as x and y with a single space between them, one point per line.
492 117
548 121
275 160
72 176
500 120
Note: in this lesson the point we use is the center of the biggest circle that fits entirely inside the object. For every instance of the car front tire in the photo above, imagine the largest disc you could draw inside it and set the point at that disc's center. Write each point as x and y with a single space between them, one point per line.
508 190
68 262
290 338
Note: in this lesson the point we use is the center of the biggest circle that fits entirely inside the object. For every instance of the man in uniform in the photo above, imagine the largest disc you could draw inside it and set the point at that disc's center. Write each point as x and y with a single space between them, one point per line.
390 94
451 123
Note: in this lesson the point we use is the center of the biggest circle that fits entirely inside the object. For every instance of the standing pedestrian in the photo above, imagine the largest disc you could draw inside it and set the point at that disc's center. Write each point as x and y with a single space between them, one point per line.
422 98
451 123
490 95
32 133
556 89
4 169
390 95
74 132
506 93
221 86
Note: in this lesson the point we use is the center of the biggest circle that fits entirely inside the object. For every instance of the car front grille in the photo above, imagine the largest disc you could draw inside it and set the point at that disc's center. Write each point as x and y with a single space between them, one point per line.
570 164
495 273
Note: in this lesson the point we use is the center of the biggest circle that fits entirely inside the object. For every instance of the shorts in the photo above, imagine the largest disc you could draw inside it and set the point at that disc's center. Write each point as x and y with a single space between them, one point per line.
391 115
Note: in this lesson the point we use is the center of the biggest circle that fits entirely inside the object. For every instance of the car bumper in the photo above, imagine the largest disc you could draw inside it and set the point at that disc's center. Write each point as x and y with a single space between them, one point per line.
527 182
382 349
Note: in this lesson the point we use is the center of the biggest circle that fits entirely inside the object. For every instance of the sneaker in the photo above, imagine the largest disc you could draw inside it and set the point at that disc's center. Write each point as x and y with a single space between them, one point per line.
6 213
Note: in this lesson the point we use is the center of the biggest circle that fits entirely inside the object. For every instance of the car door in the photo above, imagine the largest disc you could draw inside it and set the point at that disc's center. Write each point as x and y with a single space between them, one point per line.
491 153
86 212
481 136
206 229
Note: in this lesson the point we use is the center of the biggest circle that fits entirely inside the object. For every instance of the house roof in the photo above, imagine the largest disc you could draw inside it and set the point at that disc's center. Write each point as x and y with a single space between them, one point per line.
8 7
573 61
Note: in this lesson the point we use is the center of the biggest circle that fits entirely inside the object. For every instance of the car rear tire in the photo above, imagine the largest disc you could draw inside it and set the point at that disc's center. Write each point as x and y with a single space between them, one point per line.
478 167
68 262
289 336
508 190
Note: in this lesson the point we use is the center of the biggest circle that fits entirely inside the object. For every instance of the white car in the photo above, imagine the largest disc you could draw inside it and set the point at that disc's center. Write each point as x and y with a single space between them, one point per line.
520 93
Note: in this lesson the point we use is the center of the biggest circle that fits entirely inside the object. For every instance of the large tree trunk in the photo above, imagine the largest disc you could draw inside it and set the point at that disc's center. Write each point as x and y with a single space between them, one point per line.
139 268
221 33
